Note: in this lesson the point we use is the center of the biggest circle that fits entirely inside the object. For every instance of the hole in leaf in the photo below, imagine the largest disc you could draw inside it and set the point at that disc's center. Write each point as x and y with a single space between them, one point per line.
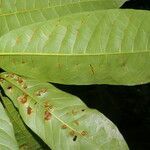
83 110
75 138
9 88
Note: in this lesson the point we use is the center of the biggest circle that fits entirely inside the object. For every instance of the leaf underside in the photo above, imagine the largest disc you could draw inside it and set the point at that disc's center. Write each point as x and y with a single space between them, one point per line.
7 138
68 42
17 13
62 120
25 139
100 47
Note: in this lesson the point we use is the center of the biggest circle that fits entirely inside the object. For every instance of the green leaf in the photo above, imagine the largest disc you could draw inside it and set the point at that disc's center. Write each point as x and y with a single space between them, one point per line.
101 47
17 13
7 138
26 140
62 120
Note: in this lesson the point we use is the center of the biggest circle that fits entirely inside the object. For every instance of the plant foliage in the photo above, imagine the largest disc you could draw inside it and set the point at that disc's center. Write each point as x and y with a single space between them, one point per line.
68 42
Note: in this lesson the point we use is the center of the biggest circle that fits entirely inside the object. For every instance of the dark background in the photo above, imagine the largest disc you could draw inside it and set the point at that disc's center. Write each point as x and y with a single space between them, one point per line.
128 107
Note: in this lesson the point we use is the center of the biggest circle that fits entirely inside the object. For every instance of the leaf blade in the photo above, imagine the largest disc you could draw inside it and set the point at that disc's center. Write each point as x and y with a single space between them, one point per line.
26 139
7 138
15 14
83 49
62 120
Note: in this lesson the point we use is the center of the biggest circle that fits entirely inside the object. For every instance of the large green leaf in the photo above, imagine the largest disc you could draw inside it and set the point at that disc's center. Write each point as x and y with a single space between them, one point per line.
7 138
18 13
62 120
26 140
101 47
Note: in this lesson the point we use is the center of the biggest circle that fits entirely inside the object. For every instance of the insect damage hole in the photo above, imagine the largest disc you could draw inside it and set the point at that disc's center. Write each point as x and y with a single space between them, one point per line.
9 88
74 138
83 110
73 134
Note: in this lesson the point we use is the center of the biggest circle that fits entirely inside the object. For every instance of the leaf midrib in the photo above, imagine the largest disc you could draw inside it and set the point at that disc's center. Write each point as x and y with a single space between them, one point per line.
63 122
74 54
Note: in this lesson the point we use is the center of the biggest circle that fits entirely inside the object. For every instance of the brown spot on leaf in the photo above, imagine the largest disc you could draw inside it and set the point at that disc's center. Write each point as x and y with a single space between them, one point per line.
11 75
92 69
72 133
24 86
19 80
29 110
47 105
47 115
74 112
18 40
23 147
76 122
83 133
23 99
41 92
64 126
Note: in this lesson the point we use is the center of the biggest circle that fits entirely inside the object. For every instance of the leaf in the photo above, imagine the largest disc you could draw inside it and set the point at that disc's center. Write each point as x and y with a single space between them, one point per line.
62 120
26 140
7 138
17 13
101 47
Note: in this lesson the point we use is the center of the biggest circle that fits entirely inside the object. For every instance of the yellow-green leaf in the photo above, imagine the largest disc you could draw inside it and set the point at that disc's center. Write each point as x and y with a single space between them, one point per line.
100 47
17 13
25 138
7 137
62 120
